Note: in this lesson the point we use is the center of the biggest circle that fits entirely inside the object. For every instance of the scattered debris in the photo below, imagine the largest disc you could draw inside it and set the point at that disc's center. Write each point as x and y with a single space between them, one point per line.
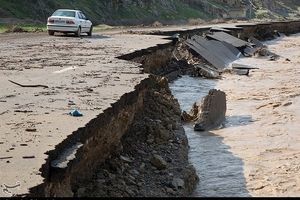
215 52
76 113
31 129
23 111
242 69
207 71
18 184
185 117
43 86
257 43
28 157
5 158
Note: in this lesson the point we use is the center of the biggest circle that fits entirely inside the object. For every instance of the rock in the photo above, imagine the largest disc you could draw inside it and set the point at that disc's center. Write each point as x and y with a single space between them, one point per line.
131 177
100 181
177 183
213 111
130 180
169 160
141 152
126 159
130 193
170 127
142 167
134 172
170 191
150 141
191 178
158 162
162 135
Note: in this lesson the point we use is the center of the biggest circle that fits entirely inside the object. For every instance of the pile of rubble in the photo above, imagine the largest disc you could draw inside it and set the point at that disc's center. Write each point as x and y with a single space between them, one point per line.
215 52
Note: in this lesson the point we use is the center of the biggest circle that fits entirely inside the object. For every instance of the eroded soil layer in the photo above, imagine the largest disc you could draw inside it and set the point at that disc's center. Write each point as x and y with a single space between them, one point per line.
152 157
80 73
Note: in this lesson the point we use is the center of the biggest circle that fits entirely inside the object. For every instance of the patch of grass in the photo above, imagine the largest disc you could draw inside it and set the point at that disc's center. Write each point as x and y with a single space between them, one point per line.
3 28
188 12
262 14
22 28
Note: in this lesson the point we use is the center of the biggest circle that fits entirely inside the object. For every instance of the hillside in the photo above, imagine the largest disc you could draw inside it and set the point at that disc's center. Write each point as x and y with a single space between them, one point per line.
130 12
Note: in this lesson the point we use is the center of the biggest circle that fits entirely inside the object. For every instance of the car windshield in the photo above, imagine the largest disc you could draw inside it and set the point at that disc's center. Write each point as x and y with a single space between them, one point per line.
64 13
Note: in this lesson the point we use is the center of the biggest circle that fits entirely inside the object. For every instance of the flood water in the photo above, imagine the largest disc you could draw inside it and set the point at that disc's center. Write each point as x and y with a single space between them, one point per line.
220 172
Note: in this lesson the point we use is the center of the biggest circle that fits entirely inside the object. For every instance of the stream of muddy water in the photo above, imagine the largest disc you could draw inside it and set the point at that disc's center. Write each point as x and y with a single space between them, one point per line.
220 172
257 152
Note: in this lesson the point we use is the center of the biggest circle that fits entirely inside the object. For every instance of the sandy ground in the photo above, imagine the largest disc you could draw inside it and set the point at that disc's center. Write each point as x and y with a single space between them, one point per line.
81 73
266 108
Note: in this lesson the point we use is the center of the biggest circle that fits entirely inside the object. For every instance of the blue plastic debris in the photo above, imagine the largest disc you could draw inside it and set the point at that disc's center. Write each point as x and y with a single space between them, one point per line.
76 113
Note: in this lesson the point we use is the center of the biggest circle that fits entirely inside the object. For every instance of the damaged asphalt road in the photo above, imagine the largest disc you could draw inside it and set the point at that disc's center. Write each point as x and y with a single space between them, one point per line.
80 73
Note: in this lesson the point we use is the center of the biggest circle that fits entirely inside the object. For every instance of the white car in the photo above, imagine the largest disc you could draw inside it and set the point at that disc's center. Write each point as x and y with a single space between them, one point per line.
69 21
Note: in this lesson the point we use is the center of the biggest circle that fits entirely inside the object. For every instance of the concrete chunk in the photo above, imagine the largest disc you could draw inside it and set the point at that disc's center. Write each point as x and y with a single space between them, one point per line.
213 110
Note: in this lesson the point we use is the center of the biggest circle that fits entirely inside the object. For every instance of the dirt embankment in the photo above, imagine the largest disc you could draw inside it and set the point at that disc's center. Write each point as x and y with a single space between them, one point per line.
37 130
152 158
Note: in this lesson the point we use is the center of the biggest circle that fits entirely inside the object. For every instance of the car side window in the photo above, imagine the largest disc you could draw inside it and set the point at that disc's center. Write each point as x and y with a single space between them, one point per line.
79 15
82 16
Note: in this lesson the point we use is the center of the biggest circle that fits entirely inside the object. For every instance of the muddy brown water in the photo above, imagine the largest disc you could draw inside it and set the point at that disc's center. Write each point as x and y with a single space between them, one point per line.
220 172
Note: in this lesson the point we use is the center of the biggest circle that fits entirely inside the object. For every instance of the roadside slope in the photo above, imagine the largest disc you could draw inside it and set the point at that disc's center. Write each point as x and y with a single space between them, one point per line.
133 12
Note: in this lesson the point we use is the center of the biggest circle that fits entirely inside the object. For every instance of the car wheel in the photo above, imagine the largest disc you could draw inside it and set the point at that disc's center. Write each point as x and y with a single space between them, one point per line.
91 31
51 32
78 33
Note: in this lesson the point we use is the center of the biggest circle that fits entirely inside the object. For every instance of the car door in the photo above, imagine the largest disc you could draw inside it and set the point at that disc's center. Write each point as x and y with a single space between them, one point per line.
81 22
84 22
